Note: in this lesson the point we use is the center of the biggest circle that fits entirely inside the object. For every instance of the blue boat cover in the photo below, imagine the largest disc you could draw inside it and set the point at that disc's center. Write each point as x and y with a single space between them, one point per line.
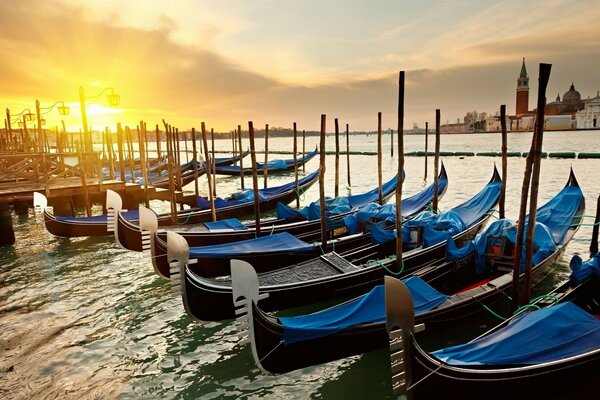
279 242
336 206
278 165
231 223
558 213
366 309
439 227
410 206
553 219
543 244
247 196
132 215
540 336
580 270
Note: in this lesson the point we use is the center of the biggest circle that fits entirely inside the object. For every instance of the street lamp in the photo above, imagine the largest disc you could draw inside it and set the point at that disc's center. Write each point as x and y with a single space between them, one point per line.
113 99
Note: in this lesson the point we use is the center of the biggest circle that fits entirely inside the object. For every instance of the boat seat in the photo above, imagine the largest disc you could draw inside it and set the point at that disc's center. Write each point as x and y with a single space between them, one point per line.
339 263
499 253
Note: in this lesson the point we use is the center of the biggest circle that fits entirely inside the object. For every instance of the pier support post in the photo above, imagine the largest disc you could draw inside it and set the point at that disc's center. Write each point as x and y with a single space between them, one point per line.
7 234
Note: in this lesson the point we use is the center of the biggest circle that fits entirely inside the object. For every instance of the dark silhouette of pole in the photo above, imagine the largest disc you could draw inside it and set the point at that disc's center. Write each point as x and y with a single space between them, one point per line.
504 161
400 170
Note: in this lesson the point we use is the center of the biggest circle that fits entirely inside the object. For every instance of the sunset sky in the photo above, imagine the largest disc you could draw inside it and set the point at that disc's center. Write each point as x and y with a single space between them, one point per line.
228 62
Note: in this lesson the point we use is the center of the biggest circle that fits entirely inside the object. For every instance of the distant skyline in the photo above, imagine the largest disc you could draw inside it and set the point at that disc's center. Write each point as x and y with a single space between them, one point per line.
227 62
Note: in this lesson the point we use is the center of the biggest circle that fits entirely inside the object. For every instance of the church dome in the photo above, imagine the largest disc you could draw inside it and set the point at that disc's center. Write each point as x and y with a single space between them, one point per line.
572 96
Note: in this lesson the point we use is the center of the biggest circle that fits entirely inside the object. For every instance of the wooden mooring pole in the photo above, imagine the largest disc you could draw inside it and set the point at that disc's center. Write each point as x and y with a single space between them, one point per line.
398 262
297 188
337 158
535 179
379 171
504 162
436 161
426 145
241 157
254 178
265 166
322 183
348 155
594 242
208 162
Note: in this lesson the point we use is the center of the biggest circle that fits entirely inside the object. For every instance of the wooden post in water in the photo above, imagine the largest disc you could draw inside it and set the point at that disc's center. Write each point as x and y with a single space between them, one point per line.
426 148
535 179
158 155
170 162
84 186
436 161
254 178
322 184
594 242
391 143
131 154
213 163
241 153
265 168
398 262
178 158
337 158
195 157
208 162
296 167
111 158
185 147
142 147
303 149
348 155
120 151
504 161
379 151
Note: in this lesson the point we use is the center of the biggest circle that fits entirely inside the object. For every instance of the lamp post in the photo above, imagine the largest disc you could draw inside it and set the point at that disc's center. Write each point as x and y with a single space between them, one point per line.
39 111
113 99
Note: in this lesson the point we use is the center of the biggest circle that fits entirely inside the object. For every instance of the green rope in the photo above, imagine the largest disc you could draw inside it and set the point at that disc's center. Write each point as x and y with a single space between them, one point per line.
300 193
500 317
585 216
377 262
585 224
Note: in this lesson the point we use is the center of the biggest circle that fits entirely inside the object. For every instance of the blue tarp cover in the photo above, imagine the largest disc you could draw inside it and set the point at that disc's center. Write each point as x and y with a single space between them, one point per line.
387 212
580 270
543 244
365 309
132 215
336 206
558 213
231 223
278 165
247 196
438 228
545 335
279 242
553 219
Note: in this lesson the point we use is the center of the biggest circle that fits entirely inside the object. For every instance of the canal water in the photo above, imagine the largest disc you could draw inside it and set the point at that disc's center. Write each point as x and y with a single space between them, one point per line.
81 318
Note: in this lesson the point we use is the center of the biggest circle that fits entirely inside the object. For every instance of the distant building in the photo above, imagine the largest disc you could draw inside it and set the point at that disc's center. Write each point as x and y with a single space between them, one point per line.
522 107
494 123
458 127
589 116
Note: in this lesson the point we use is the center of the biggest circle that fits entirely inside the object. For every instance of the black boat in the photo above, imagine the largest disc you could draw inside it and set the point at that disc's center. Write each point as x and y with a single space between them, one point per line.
232 230
548 351
104 225
272 166
334 275
281 246
445 294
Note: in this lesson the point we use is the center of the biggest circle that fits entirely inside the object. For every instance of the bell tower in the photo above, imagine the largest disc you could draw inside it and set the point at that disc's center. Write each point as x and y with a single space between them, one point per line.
522 91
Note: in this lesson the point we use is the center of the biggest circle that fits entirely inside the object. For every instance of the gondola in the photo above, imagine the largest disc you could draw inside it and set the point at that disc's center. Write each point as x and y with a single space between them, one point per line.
272 166
549 351
187 174
281 246
445 294
104 225
332 275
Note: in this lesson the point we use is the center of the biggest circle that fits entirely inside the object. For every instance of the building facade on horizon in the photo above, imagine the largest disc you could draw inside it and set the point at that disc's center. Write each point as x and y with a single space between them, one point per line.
570 112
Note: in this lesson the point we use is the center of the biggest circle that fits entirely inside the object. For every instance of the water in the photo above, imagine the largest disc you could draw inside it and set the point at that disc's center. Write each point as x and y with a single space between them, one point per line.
81 318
